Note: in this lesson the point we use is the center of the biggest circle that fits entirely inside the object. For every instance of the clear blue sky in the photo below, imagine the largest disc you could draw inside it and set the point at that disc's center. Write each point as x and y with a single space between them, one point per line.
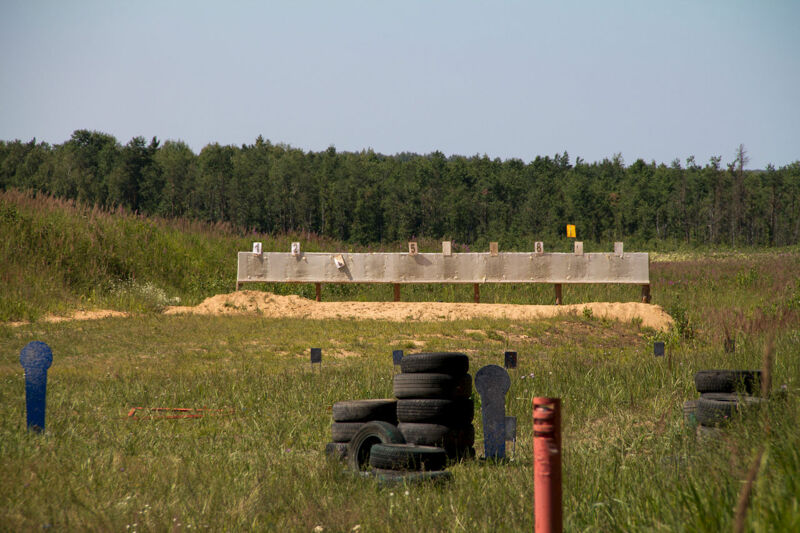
656 80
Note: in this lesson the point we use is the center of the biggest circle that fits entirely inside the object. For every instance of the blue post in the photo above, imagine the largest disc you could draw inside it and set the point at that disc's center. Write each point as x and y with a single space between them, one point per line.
36 357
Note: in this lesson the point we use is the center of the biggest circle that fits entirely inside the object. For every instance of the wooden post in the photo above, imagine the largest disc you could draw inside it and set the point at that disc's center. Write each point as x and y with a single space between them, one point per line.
558 293
318 291
645 294
396 292
477 289
237 285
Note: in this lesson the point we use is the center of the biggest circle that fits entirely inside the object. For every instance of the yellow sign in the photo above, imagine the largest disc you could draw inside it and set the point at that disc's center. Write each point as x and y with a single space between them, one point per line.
571 230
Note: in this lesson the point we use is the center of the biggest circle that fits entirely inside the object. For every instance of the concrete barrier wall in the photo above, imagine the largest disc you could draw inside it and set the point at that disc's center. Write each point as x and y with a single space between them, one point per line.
633 268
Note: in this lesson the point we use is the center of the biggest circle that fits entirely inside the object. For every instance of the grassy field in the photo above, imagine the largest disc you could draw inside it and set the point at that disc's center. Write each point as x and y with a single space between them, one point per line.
630 462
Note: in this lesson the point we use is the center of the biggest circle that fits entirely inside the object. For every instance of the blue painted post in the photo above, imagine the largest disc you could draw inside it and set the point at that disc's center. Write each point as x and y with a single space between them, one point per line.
492 383
36 357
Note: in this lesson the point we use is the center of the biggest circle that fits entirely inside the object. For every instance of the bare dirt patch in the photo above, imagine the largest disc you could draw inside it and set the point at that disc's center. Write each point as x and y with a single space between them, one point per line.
275 306
87 315
77 315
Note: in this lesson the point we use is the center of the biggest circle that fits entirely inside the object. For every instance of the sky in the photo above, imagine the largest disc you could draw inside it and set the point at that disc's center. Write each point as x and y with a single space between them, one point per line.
656 80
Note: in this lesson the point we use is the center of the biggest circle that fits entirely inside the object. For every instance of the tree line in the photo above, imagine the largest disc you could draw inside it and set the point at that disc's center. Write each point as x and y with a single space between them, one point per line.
367 197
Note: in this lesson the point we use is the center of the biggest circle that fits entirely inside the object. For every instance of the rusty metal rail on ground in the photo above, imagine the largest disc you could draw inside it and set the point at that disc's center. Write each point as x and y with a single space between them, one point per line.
175 412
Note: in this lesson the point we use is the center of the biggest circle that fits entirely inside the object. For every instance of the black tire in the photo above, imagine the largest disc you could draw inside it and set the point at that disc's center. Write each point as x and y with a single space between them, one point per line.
436 411
410 457
452 363
370 434
451 439
344 431
746 381
365 411
336 450
395 477
441 386
720 410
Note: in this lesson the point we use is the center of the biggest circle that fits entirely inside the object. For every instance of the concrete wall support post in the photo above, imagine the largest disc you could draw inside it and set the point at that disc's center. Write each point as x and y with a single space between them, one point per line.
558 293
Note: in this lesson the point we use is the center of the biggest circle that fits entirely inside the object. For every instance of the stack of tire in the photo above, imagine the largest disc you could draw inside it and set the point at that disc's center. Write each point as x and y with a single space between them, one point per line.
351 416
434 407
724 395
380 445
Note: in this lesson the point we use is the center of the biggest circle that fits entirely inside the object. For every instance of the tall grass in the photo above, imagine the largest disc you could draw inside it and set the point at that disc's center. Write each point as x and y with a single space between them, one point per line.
630 462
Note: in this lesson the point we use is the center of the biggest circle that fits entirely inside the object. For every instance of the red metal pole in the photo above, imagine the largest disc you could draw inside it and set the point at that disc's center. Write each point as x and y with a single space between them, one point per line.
547 465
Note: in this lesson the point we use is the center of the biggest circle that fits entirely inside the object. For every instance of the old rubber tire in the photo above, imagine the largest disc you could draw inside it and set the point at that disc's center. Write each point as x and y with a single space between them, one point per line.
721 408
746 381
344 431
371 433
450 438
365 411
407 457
731 396
441 386
436 411
336 450
452 363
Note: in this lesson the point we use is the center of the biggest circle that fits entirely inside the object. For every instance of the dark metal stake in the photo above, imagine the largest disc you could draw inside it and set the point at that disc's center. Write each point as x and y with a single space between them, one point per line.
316 357
658 349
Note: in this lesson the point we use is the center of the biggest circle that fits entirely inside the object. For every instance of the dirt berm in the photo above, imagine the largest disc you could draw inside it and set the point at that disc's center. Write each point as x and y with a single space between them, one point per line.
272 305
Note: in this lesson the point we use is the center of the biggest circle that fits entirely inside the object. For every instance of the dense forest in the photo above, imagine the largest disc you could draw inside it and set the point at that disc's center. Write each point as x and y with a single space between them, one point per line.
368 197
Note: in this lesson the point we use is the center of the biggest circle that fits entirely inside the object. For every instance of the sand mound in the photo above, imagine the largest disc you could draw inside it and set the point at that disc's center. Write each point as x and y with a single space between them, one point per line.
274 306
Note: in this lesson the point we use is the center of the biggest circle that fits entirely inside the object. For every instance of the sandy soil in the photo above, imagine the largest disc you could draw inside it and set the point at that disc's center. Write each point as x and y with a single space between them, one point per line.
78 315
271 305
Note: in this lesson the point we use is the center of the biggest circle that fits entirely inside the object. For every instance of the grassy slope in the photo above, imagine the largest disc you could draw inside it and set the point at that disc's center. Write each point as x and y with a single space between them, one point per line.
630 463
56 257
